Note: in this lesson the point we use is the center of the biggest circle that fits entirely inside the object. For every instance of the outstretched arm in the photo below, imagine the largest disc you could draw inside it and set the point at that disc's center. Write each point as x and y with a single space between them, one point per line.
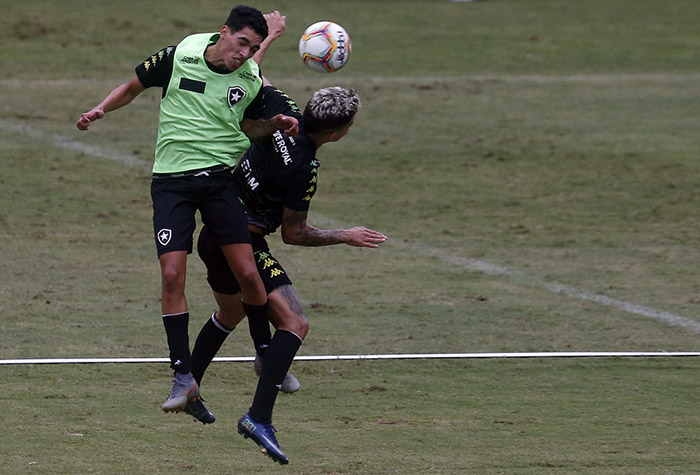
297 232
276 24
119 97
261 128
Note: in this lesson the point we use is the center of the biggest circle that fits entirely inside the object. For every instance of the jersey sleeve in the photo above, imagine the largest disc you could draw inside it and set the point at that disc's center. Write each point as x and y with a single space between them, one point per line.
299 196
156 70
269 102
256 108
278 102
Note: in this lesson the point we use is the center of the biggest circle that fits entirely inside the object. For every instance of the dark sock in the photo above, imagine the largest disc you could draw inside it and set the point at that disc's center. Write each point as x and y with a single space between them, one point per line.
259 326
278 358
208 343
178 341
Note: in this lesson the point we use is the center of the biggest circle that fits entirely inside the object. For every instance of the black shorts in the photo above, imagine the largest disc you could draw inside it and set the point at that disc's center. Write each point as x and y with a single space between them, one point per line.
219 274
176 200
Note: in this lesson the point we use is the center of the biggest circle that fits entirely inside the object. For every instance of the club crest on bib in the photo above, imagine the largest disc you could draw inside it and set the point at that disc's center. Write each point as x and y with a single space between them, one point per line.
164 236
235 94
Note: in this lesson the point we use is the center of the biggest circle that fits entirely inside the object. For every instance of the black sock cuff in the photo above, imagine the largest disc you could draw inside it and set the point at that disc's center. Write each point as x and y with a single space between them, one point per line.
218 324
256 311
183 314
289 336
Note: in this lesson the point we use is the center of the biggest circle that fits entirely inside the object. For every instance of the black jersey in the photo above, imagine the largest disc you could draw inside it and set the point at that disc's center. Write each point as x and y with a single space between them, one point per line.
157 69
279 171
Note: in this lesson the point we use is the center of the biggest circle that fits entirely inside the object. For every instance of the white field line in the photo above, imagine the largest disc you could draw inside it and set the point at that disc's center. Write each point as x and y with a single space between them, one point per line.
415 247
242 359
74 145
555 287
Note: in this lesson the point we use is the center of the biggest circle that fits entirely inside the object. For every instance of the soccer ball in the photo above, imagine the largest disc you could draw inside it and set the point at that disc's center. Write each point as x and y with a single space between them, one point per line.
325 47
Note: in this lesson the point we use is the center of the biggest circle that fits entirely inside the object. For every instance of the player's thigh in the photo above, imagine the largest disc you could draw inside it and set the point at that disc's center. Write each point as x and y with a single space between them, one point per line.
174 209
219 275
223 213
240 259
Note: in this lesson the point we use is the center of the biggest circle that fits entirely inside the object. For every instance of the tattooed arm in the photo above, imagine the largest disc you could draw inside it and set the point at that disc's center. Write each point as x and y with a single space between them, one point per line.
297 232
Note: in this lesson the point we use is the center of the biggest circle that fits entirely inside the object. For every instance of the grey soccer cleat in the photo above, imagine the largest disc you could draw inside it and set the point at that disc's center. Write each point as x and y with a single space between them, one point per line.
185 389
196 409
290 384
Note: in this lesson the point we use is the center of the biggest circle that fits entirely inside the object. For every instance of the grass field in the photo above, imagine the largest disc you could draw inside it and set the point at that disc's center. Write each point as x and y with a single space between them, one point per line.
534 164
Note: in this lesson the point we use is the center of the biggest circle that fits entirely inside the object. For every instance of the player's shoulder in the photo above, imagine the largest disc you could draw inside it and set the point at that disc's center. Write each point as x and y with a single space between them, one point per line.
156 69
303 147
279 102
163 56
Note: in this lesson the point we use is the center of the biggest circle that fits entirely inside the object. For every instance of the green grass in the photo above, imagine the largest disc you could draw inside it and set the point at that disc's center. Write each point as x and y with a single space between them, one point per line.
556 140
612 416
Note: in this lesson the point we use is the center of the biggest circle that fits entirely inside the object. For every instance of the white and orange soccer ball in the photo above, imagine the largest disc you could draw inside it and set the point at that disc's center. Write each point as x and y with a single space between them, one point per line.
325 47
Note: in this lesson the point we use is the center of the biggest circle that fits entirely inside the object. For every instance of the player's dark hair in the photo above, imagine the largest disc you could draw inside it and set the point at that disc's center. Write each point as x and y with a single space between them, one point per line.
330 109
242 16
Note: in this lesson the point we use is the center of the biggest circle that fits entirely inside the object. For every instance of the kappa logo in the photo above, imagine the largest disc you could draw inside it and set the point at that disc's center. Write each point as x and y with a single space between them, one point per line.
269 263
235 94
164 236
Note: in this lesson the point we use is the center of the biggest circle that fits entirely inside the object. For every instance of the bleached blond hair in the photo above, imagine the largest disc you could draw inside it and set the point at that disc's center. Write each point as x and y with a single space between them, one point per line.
331 109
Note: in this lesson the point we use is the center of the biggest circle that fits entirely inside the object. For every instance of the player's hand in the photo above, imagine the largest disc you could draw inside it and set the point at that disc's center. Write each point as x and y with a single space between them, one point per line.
360 236
290 125
87 118
276 24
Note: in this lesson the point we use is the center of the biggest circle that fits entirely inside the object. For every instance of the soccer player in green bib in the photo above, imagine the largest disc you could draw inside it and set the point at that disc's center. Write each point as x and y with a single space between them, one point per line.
211 107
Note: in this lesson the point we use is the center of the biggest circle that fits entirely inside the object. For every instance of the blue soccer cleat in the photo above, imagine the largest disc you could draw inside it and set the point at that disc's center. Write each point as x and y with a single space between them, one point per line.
264 436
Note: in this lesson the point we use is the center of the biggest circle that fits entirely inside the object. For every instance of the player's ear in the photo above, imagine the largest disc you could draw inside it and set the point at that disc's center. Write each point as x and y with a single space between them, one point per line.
224 31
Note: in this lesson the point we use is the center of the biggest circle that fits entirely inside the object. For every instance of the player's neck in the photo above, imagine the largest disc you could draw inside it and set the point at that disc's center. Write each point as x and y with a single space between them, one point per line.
322 138
319 139
213 56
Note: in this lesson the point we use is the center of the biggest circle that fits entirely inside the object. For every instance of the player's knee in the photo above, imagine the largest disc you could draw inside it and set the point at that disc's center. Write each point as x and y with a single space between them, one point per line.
298 325
173 281
303 328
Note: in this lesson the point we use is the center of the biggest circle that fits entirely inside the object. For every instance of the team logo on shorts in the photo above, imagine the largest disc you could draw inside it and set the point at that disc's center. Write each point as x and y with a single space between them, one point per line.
164 236
235 94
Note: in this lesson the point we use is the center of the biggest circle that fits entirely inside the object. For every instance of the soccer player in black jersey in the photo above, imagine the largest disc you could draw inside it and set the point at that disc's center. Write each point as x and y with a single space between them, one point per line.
277 177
